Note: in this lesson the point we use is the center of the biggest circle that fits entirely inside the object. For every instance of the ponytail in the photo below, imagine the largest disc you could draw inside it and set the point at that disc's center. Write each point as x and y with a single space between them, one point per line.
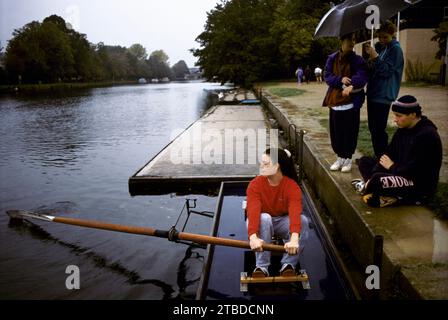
284 159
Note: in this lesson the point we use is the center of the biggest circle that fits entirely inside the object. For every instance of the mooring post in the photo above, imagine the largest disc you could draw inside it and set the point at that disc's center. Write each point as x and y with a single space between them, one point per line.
301 134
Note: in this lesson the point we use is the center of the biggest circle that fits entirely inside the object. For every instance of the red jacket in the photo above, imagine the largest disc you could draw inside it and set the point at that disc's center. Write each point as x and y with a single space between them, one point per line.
286 198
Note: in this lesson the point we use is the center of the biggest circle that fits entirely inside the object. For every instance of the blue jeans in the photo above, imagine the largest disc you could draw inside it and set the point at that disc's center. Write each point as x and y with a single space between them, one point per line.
377 115
279 226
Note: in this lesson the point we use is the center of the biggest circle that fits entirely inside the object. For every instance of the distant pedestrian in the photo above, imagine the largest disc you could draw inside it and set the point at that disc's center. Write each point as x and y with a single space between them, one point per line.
346 76
318 74
299 75
307 74
385 69
408 171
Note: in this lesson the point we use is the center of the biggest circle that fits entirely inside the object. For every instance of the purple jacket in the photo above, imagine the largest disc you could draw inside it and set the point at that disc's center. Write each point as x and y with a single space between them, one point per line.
359 76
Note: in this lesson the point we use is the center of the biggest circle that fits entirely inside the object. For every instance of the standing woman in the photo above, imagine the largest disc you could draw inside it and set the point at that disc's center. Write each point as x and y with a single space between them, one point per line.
346 76
274 207
386 69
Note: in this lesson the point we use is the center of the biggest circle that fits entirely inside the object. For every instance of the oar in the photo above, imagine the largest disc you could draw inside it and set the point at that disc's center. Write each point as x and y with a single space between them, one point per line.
171 235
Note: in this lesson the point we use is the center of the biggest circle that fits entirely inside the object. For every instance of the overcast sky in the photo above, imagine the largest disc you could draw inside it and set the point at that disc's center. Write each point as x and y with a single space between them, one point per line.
170 25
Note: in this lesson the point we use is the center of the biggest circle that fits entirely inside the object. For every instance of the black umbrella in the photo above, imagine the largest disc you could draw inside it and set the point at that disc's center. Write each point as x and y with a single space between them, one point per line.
350 16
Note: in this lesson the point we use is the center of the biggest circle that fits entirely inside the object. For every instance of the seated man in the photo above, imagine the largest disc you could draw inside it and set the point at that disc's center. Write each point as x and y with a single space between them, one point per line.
274 207
409 169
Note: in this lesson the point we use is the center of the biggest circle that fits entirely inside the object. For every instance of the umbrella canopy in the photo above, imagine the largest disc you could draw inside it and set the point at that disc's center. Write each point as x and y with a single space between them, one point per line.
350 16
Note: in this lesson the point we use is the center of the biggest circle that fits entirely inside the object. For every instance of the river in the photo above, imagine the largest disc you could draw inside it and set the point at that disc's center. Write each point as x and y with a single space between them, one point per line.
72 155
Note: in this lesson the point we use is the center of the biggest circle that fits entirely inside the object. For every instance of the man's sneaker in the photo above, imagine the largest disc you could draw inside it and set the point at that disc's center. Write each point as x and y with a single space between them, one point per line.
260 272
387 201
378 201
347 165
337 165
359 185
287 270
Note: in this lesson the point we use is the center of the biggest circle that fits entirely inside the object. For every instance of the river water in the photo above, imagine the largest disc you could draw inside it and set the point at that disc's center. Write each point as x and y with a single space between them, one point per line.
72 155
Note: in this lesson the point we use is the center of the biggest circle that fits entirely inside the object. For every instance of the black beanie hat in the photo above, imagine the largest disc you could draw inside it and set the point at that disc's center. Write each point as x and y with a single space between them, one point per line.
406 104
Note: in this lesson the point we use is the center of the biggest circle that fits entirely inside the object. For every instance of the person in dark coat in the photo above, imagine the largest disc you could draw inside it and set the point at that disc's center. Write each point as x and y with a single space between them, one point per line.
307 74
409 169
346 75
386 69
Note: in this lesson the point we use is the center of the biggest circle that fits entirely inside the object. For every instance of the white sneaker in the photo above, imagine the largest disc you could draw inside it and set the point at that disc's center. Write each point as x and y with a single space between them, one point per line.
347 166
337 165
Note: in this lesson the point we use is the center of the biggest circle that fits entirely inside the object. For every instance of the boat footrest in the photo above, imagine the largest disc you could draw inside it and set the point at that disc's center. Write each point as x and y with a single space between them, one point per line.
302 276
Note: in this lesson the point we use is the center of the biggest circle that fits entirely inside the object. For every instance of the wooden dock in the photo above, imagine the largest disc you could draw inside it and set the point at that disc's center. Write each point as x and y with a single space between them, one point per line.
237 96
225 144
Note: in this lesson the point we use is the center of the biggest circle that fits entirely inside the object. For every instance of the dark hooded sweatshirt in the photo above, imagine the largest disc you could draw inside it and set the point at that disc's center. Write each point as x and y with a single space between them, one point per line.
417 155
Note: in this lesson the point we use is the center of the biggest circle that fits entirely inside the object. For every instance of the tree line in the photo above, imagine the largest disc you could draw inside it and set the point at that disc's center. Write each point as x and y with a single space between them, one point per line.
51 51
245 41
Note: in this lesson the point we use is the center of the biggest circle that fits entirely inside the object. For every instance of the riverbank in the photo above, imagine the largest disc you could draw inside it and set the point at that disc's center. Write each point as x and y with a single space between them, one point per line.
408 243
58 87
71 155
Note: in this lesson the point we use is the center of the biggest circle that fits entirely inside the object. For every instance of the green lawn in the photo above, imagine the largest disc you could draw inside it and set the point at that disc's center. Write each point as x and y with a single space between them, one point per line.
286 92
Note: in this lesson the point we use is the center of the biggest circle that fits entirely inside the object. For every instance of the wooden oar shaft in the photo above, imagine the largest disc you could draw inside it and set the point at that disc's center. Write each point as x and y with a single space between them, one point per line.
107 226
164 234
226 242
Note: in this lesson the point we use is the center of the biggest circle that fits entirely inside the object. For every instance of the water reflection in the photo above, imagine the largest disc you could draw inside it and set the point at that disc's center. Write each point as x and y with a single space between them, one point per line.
72 155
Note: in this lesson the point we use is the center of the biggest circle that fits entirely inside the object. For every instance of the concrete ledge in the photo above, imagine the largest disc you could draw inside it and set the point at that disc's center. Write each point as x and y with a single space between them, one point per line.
407 259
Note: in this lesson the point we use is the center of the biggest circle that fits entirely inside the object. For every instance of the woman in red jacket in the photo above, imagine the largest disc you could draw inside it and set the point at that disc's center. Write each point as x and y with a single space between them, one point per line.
274 207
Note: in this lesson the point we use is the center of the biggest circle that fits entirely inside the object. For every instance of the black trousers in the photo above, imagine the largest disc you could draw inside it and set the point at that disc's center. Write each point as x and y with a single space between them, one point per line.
383 183
377 115
344 128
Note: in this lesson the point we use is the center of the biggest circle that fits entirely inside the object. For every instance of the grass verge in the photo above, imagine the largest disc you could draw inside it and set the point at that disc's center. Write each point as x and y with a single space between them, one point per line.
286 92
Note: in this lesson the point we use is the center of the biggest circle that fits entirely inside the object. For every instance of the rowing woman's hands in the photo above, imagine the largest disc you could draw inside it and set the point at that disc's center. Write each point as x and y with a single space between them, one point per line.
292 246
256 244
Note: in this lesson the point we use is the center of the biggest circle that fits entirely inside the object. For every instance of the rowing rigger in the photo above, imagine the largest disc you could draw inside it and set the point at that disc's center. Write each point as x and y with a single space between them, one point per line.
171 235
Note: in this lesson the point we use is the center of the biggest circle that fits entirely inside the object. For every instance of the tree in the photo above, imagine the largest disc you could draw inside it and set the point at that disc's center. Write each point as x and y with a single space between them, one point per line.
58 52
50 51
294 26
160 56
180 69
251 40
236 45
158 64
441 34
2 71
138 51
83 54
39 52
118 62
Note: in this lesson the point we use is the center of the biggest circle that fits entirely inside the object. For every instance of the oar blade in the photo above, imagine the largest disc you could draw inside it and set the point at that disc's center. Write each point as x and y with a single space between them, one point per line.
21 214
14 214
